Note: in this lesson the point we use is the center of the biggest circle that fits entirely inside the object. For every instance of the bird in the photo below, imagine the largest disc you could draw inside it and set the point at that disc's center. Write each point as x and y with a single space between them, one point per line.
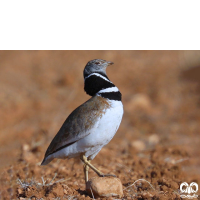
93 124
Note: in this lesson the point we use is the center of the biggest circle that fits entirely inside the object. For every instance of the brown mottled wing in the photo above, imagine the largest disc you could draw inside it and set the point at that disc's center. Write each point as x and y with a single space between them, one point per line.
78 124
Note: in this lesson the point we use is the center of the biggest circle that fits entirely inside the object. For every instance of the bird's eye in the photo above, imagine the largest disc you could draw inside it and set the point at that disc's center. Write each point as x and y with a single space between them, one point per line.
97 63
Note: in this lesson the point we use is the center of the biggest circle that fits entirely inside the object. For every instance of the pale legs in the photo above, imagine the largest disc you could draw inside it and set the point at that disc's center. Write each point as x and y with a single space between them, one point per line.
87 164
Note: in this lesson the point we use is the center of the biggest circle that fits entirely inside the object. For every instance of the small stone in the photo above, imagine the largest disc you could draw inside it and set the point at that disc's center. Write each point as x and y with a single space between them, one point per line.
20 191
174 185
65 191
154 139
164 188
104 187
138 145
146 195
26 147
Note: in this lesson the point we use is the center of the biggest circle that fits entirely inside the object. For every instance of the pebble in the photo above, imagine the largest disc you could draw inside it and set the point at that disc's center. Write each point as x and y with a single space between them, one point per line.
104 187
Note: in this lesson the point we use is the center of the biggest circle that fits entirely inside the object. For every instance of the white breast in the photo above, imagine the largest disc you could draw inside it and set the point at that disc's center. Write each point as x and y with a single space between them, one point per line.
100 134
106 128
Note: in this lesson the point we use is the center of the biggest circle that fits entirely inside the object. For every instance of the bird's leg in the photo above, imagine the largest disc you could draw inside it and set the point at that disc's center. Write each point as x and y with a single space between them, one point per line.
87 162
86 169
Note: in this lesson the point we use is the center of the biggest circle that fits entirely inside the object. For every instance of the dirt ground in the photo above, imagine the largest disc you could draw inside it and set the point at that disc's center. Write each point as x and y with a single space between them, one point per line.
155 149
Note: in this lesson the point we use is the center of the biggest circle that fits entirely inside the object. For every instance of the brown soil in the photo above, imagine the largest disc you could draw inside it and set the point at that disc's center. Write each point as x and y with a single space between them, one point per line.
155 149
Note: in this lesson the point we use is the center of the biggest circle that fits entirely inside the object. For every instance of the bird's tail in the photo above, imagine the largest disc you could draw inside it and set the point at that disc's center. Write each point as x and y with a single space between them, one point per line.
46 160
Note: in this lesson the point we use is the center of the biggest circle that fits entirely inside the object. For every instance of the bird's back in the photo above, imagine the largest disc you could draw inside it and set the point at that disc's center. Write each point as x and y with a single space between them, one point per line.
78 124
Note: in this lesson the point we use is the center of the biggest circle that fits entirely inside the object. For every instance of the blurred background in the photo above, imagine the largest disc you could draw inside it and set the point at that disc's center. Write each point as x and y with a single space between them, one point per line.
160 93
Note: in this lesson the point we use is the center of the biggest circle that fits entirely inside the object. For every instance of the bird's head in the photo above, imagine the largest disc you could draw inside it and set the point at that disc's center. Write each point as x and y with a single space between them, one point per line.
96 66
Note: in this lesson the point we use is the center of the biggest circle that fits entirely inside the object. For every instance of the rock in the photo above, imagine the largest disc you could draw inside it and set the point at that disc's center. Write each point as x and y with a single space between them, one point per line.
146 195
104 187
138 145
20 191
154 139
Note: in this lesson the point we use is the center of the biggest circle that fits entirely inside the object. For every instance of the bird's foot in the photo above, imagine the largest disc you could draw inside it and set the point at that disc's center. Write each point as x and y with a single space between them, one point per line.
106 175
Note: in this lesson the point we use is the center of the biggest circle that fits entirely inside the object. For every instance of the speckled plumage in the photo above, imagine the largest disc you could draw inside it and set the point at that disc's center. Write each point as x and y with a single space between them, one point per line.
76 126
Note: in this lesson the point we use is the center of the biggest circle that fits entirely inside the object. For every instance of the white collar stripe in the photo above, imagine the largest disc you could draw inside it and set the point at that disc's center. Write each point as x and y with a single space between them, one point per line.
96 74
111 89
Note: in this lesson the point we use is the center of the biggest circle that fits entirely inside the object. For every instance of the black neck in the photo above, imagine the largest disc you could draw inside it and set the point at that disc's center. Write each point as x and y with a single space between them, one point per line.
95 83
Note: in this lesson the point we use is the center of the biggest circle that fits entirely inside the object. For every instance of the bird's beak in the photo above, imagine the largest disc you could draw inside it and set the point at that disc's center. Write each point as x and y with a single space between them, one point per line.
110 63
